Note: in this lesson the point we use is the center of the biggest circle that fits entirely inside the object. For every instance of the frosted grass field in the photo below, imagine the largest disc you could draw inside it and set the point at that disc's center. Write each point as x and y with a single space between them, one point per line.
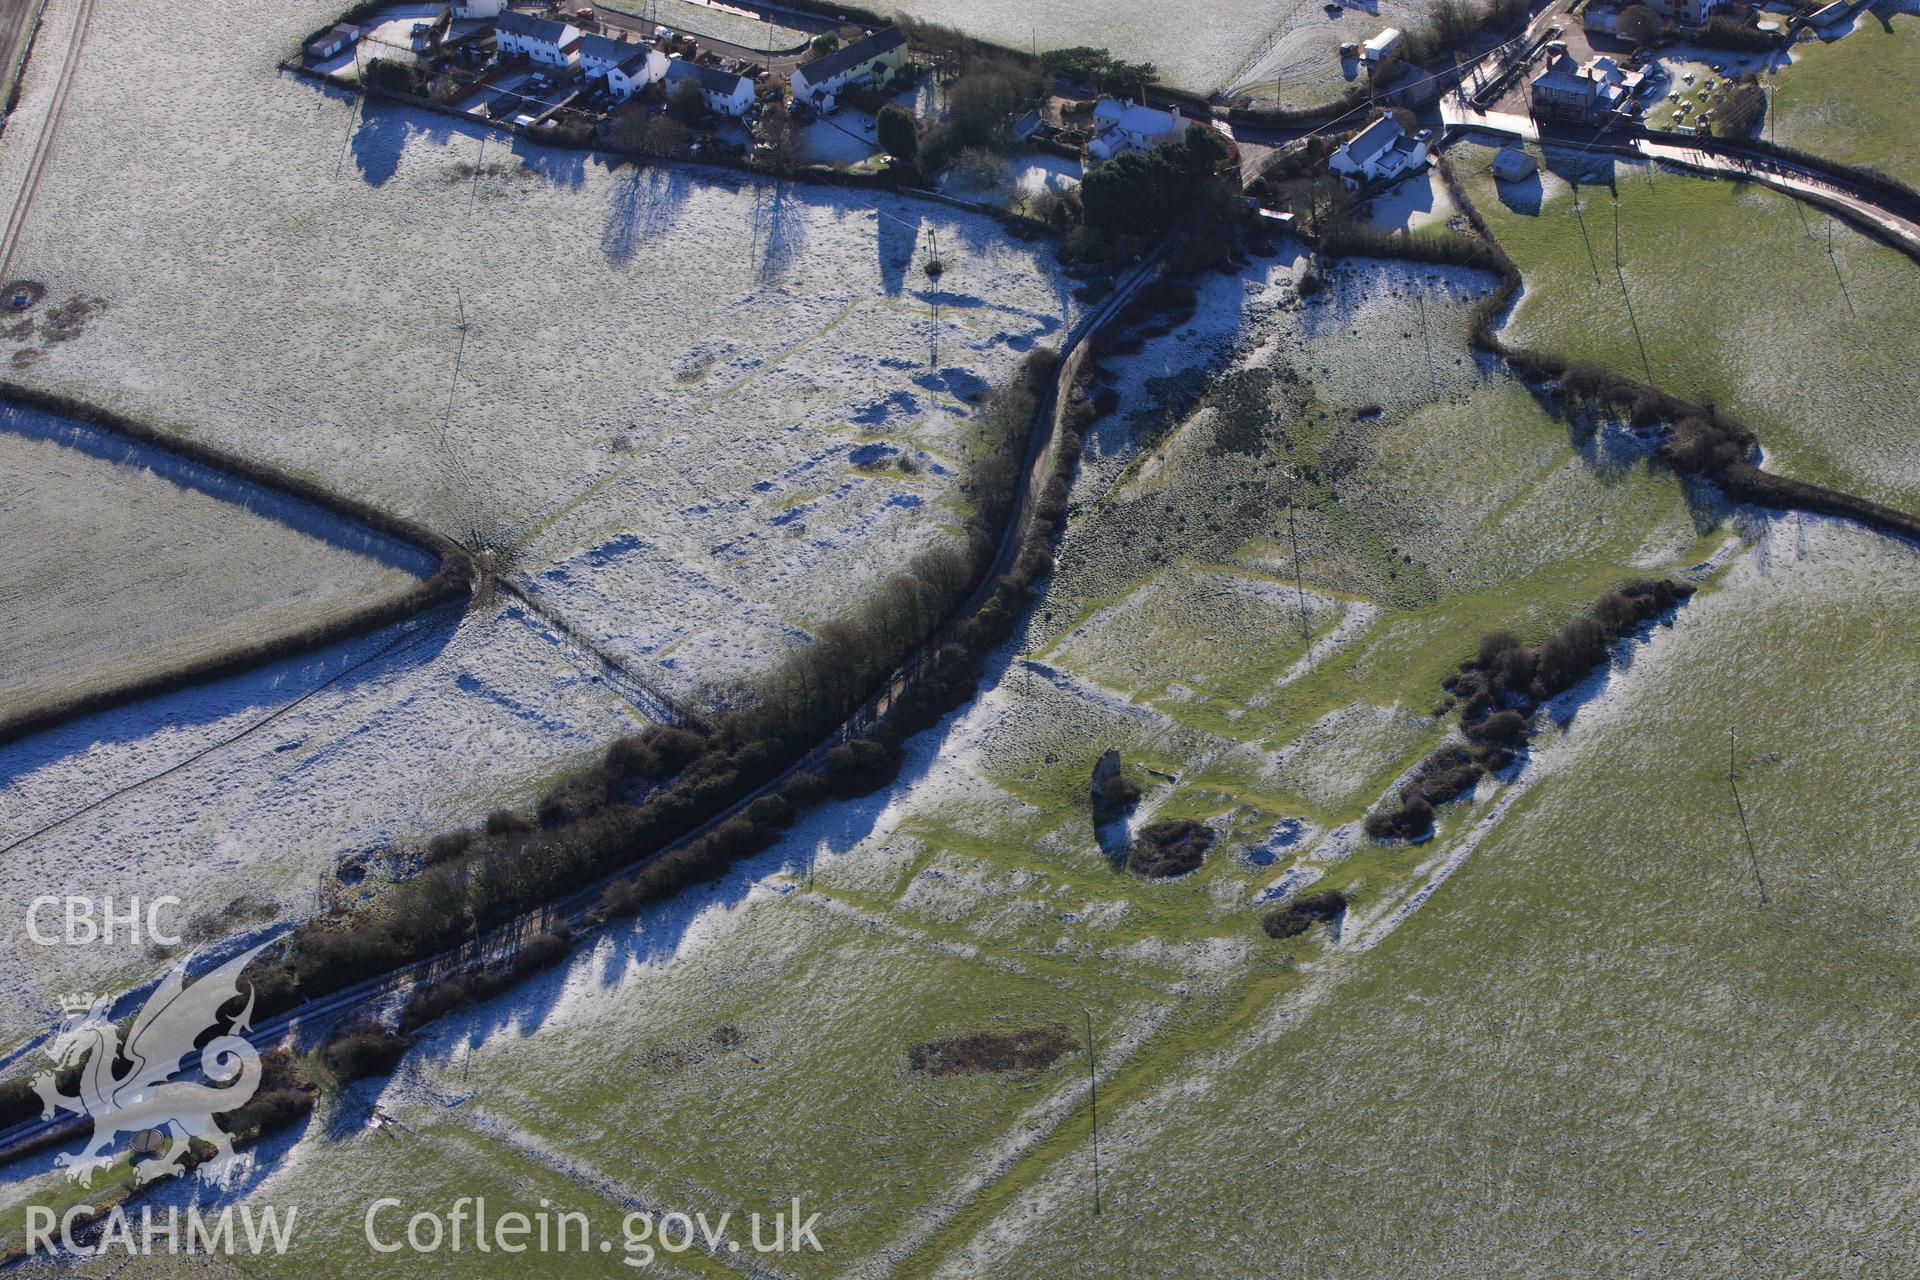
1848 100
974 892
1595 1045
1737 302
125 562
1239 45
240 795
669 354
681 401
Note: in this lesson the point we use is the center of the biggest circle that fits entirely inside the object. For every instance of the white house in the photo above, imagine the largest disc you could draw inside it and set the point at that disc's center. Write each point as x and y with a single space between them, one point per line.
643 67
872 58
478 8
1382 46
1121 126
628 65
1380 153
726 93
541 39
328 43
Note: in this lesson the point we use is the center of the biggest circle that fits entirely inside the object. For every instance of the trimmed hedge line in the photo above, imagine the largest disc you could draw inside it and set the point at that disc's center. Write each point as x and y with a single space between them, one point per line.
450 581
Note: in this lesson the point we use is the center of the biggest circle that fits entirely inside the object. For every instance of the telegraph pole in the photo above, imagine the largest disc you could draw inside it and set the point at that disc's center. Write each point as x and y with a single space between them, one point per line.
1093 1084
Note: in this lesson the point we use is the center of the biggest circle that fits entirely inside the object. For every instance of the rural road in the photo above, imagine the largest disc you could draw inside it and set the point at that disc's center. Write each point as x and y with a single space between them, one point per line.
1795 179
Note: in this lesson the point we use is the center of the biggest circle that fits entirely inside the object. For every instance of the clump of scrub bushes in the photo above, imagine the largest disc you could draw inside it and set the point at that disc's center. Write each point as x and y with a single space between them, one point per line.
1303 913
1500 687
1171 847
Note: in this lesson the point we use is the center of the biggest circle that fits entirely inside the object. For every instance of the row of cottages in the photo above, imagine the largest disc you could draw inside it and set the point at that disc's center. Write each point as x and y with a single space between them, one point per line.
557 44
873 59
1121 126
1600 90
727 94
1381 153
628 67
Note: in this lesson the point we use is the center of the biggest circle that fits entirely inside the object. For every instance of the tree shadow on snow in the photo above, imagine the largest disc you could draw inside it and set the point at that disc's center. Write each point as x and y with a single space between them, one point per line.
647 204
779 229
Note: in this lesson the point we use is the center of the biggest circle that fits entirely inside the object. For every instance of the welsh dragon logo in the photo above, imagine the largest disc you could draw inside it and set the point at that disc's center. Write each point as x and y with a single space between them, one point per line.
129 1088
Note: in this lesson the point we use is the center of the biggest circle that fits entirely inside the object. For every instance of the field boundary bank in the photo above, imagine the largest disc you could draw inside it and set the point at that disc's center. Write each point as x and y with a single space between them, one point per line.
451 579
1738 477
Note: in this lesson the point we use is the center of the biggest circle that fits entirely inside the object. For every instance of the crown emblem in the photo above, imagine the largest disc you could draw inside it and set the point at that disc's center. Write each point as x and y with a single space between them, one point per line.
78 1001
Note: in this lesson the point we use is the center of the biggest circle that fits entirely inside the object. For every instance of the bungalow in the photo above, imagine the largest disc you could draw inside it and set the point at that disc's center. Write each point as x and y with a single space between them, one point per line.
1382 46
541 39
873 58
328 43
727 94
478 8
1380 153
1513 164
1120 126
628 65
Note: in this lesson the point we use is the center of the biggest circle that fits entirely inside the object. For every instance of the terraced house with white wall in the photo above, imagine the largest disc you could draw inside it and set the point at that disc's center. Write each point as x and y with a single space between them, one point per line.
726 94
627 65
872 59
540 39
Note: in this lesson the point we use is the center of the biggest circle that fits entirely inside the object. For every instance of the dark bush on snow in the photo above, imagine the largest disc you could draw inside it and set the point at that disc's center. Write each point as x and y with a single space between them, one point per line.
1409 820
505 822
1503 728
373 1051
1171 847
450 845
770 811
657 754
859 767
283 1097
1303 913
1502 684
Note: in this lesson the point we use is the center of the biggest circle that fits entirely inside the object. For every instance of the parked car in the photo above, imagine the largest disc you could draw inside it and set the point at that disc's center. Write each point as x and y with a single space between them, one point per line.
803 113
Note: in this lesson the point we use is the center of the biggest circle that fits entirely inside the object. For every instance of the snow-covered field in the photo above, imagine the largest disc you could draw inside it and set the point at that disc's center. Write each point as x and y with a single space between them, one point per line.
252 789
554 352
679 398
1242 45
974 891
124 561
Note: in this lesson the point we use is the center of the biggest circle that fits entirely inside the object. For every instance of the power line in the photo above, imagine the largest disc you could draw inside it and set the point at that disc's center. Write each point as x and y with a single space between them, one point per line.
1093 1084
